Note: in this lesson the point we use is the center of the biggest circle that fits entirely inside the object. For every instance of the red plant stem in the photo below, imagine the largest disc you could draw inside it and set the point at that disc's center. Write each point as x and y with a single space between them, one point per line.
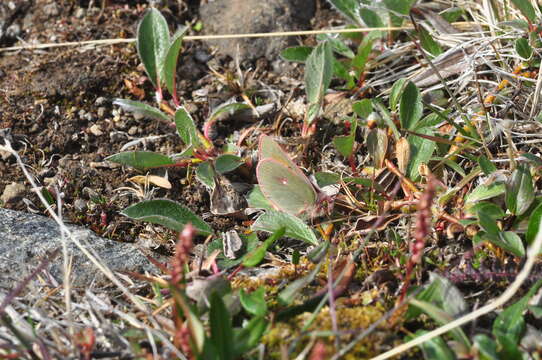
352 163
423 226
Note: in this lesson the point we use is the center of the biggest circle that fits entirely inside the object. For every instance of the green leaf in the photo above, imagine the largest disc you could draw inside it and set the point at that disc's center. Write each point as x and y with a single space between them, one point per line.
318 72
490 209
228 109
257 200
487 166
168 65
489 224
526 9
411 108
137 107
227 162
370 18
141 160
508 349
534 224
256 256
288 295
523 48
486 347
442 318
249 336
397 90
434 349
484 192
254 303
345 143
508 241
349 8
296 53
152 43
400 6
363 108
443 294
206 174
421 151
428 43
337 45
520 190
186 128
271 221
168 213
510 323
221 328
360 60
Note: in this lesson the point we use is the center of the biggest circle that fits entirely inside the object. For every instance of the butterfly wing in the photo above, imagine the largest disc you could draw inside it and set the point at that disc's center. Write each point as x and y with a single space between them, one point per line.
284 187
269 149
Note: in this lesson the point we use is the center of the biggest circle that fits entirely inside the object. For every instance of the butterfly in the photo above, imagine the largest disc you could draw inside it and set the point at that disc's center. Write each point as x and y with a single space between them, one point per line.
282 183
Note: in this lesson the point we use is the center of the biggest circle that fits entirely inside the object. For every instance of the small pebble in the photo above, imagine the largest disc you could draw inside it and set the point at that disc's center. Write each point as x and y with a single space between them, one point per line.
80 205
132 131
101 111
100 101
12 192
79 13
51 9
96 130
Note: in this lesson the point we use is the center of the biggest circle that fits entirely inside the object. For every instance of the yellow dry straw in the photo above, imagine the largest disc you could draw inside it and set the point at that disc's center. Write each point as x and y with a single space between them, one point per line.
218 37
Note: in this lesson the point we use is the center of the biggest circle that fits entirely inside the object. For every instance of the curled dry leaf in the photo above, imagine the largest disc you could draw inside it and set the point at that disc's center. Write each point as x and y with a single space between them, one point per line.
151 179
225 198
452 62
402 153
377 144
232 243
365 224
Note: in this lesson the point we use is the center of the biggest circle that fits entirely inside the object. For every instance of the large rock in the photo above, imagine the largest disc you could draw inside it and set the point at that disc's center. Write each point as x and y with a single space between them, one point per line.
255 16
25 239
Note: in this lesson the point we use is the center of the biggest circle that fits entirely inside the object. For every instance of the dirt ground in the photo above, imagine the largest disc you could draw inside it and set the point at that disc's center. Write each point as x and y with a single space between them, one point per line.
57 104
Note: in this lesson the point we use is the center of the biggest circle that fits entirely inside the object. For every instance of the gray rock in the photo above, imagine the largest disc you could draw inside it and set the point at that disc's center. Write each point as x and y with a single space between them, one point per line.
26 239
256 16
12 192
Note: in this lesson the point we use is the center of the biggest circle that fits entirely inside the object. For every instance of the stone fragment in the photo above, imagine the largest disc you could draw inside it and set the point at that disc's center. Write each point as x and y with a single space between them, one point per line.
255 16
28 238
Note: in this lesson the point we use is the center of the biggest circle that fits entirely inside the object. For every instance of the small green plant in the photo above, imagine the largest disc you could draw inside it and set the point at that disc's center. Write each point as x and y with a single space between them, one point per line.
442 301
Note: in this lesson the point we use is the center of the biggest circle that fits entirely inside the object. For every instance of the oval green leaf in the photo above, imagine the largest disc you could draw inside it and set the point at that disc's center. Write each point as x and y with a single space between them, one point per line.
168 66
520 190
227 162
168 213
141 160
271 221
296 53
410 108
318 72
152 42
137 107
254 303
